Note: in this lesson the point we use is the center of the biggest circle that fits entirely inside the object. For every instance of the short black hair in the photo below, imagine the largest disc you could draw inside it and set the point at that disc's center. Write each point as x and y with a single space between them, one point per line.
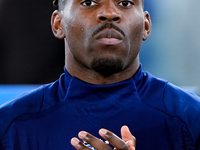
55 3
59 4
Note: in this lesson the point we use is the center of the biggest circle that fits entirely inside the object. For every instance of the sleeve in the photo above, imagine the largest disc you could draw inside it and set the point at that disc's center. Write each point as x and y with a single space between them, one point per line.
27 103
186 106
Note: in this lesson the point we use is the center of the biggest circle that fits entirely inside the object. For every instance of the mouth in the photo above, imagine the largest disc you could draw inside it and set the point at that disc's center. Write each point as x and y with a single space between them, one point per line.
109 41
109 37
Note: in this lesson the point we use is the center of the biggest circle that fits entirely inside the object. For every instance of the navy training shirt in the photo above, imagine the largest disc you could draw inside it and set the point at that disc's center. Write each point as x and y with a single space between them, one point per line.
160 115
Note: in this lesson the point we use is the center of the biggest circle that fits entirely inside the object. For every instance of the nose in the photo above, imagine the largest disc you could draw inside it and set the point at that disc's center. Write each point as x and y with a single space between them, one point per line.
109 13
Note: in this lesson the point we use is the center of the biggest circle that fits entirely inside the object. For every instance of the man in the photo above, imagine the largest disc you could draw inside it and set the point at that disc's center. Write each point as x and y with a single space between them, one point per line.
102 90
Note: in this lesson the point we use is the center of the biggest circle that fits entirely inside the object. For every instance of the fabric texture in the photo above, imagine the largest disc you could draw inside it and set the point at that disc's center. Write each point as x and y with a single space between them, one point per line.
160 115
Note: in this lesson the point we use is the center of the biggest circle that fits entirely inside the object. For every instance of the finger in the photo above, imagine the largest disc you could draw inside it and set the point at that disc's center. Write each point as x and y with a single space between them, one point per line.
130 145
117 142
93 141
127 136
78 144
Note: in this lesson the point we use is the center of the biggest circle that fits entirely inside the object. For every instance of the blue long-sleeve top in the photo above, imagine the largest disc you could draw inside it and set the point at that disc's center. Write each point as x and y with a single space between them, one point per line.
160 115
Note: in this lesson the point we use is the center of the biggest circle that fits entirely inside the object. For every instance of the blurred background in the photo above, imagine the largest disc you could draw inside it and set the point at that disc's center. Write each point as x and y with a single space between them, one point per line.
30 55
173 50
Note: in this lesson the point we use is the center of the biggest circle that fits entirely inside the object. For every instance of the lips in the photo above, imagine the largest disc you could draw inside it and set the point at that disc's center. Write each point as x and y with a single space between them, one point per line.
109 33
109 36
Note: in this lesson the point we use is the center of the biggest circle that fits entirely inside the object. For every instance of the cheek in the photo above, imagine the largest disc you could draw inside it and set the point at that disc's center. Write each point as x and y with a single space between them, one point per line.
135 25
76 39
137 30
75 34
136 36
74 24
74 30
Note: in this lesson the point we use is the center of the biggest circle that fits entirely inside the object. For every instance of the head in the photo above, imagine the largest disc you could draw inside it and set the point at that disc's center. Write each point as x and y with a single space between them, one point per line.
102 36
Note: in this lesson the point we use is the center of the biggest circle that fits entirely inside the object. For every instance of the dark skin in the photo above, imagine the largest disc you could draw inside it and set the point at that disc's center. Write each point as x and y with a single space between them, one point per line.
77 24
127 142
125 25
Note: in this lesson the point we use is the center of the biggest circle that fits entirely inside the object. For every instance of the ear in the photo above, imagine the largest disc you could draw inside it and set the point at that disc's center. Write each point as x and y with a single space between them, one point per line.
56 24
147 25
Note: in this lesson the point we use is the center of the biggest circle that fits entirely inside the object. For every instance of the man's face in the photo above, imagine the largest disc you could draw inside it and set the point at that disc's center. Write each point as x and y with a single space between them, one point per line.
103 35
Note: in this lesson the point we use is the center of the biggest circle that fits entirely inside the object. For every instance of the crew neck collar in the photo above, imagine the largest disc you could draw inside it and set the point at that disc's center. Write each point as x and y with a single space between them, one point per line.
136 77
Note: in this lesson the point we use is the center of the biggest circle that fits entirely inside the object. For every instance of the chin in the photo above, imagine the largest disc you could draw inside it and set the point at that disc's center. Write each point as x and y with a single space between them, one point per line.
107 66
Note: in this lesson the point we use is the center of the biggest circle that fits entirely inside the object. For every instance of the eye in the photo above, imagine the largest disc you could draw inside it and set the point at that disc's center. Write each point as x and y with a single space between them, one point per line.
88 3
126 3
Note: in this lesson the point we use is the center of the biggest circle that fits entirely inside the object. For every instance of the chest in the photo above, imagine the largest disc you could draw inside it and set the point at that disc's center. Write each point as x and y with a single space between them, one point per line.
53 129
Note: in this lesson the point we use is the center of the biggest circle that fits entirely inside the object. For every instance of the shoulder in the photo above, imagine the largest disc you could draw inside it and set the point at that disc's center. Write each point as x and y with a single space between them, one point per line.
36 101
185 106
180 99
182 104
170 94
175 102
27 103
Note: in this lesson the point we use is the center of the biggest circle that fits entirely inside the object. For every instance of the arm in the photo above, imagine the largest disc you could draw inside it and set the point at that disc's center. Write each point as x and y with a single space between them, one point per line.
127 142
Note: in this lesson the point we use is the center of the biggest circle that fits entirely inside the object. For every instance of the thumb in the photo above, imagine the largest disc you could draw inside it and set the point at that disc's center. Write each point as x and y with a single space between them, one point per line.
127 136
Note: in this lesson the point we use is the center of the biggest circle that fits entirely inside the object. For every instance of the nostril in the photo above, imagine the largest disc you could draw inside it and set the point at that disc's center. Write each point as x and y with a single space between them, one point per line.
116 19
103 18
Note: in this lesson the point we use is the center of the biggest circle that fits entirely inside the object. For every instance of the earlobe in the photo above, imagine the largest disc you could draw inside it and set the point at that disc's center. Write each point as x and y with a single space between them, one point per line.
147 25
56 25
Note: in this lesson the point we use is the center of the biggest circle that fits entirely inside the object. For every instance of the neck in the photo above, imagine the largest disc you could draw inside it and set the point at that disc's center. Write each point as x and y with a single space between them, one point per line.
90 76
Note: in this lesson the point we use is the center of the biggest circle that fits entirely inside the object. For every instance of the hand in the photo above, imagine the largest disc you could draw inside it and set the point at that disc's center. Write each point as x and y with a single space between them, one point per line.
127 142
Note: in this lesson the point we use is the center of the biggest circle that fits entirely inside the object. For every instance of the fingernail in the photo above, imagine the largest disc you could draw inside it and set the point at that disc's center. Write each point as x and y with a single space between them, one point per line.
74 141
82 134
125 128
103 131
129 142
